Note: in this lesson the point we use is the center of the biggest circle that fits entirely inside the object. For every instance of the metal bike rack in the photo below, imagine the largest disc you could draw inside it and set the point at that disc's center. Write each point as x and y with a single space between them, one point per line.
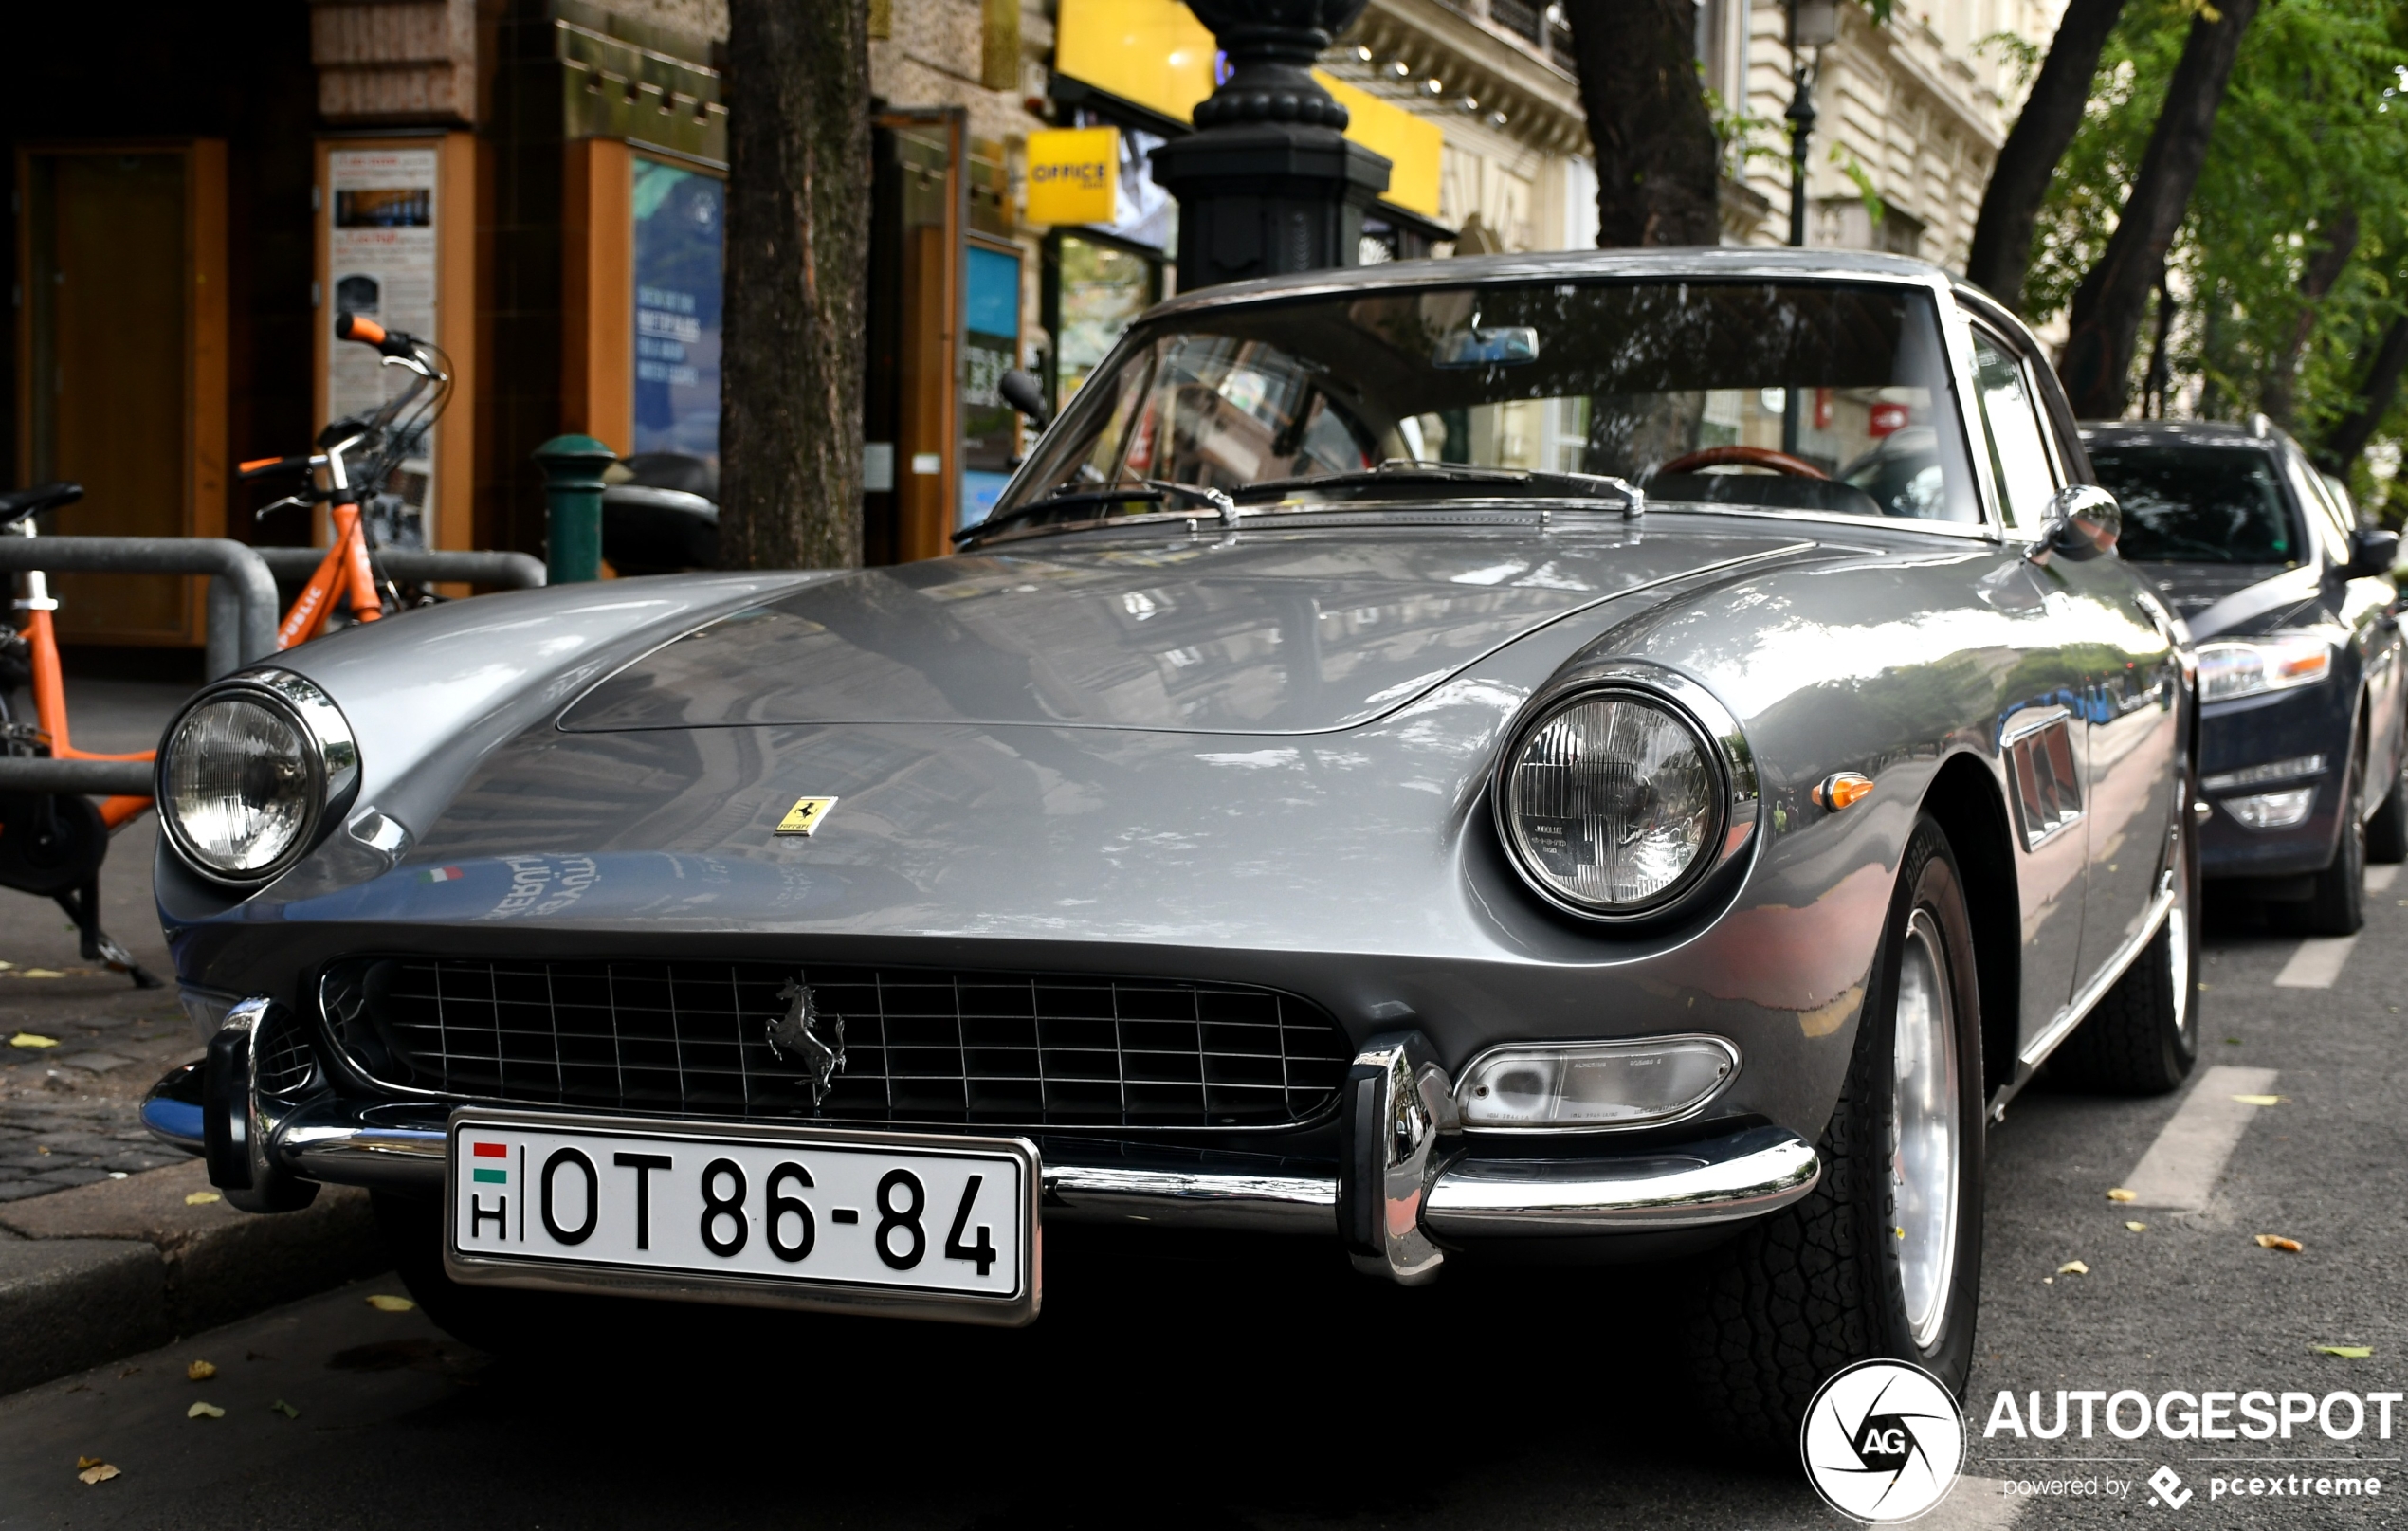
513 570
250 591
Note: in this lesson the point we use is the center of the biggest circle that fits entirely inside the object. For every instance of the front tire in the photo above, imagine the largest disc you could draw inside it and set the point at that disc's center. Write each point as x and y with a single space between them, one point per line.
2387 832
2141 1038
2338 905
1884 1257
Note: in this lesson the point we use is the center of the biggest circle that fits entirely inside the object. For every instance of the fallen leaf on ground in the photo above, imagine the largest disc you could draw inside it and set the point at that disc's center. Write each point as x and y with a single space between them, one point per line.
2347 1353
204 1411
280 1407
200 1198
2275 1241
42 1149
99 1472
2073 1267
39 973
2259 1099
27 1039
2047 1281
2119 1194
2137 1227
385 1303
84 1462
200 1371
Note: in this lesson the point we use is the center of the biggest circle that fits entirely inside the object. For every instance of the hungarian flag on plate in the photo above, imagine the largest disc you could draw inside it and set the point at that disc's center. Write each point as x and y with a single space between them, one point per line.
499 1173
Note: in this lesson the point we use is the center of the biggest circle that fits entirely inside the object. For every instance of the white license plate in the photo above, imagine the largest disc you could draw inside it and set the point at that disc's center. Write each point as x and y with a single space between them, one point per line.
906 1223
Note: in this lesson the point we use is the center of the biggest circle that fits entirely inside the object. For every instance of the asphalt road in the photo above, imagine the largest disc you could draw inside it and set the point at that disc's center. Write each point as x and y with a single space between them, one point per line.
1204 1387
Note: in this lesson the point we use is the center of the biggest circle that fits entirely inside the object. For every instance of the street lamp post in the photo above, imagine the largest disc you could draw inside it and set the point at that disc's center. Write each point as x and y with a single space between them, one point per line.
1269 182
1813 24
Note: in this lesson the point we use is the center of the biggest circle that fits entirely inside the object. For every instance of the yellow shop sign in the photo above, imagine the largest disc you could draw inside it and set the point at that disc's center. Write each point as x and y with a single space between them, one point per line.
1073 174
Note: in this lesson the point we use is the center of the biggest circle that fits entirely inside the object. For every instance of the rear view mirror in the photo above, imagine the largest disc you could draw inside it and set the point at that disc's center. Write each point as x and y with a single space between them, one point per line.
1021 392
2082 521
2372 550
1507 345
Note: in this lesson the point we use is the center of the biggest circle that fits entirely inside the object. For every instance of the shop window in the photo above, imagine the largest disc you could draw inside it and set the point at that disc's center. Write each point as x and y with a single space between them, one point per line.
681 220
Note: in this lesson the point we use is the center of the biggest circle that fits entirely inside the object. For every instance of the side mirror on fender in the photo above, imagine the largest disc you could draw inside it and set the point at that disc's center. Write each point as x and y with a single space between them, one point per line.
1021 392
2372 550
2082 521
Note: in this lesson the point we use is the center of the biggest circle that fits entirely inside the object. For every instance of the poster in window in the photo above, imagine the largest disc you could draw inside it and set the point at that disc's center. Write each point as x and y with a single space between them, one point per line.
991 347
380 249
680 234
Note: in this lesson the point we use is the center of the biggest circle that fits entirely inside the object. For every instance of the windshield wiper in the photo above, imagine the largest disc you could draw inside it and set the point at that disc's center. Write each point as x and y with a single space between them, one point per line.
1403 470
1062 499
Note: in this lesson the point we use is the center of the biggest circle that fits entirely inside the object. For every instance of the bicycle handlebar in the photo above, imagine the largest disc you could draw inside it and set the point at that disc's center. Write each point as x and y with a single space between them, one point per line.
351 326
261 467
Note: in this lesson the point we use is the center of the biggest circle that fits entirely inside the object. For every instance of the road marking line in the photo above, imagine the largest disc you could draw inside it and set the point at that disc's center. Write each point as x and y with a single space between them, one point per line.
2317 963
2181 1167
2379 879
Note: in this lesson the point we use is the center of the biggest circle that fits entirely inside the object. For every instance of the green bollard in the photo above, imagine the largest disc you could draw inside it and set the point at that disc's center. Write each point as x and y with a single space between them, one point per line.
573 511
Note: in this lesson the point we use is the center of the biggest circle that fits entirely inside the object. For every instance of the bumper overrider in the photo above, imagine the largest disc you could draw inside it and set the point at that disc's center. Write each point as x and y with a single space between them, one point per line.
1413 1183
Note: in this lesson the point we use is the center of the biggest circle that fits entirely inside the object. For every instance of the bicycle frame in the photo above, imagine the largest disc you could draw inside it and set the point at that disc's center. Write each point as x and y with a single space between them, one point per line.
49 690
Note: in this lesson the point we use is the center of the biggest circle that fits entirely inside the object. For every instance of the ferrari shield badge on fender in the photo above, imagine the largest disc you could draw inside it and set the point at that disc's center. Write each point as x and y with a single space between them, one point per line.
805 815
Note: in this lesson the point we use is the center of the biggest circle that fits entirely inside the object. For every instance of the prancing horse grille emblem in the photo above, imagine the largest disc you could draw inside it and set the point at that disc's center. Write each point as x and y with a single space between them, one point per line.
808 1036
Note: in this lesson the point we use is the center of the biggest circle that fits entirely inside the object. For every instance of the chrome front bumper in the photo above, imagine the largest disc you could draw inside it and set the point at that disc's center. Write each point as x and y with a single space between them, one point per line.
1412 1186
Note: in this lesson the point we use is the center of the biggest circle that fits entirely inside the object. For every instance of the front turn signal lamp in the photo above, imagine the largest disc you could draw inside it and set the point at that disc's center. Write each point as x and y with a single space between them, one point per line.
1588 1087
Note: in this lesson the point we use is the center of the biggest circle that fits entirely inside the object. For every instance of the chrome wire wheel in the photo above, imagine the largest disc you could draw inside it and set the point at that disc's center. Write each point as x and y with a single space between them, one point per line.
1926 1132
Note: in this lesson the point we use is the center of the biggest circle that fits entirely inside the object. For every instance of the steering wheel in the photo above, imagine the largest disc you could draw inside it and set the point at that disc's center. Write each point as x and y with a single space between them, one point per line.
1796 467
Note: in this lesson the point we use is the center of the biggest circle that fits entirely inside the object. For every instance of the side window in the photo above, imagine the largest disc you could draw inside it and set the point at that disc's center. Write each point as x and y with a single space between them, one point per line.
2019 457
2323 517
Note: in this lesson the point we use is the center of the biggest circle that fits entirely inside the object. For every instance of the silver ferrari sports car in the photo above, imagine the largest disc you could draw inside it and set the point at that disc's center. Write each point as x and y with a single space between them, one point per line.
1603 755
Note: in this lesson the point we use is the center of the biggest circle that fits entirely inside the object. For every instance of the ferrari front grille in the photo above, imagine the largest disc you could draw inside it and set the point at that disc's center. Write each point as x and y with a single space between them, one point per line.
918 1046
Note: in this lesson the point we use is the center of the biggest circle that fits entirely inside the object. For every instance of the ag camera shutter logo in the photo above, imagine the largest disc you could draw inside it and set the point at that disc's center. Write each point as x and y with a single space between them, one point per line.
1883 1442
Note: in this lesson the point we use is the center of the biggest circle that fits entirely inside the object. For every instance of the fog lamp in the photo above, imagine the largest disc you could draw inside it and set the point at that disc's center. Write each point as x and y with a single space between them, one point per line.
1573 1086
2272 811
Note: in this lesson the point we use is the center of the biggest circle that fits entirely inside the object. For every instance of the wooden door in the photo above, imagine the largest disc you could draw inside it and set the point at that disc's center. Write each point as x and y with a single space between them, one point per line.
123 363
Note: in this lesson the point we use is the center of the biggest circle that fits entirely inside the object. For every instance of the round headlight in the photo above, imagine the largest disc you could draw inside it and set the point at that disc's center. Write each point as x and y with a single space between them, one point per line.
248 773
1611 801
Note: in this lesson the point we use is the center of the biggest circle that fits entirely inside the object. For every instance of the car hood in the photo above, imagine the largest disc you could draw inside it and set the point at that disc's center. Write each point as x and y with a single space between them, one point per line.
2213 598
1272 632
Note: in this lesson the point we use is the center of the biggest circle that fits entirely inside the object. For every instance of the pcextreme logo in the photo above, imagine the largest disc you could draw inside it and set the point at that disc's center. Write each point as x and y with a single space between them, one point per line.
1883 1442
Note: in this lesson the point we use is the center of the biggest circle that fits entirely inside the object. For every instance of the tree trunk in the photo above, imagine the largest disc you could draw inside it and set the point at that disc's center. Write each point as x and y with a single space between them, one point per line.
2161 373
1659 167
2278 398
2351 433
797 259
2028 160
2108 304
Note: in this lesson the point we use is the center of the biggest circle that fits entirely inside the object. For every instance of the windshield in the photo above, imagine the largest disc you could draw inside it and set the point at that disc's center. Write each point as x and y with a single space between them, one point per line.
1802 396
2198 505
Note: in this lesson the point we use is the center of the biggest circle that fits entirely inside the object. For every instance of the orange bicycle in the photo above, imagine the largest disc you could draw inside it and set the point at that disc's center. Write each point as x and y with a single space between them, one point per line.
359 454
52 844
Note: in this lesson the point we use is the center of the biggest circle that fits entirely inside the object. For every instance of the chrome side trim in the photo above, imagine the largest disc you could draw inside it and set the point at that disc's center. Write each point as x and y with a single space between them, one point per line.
1191 1198
2037 1051
1697 1185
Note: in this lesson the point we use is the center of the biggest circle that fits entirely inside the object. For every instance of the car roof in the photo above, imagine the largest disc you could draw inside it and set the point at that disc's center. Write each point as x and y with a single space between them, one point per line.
1730 260
2257 432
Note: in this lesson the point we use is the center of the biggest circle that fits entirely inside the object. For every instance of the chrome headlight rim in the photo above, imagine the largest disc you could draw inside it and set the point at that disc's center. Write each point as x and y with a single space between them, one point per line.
330 752
1720 740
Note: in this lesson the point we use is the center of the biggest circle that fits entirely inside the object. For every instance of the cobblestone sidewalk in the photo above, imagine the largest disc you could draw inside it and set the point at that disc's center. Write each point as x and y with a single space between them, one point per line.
49 1145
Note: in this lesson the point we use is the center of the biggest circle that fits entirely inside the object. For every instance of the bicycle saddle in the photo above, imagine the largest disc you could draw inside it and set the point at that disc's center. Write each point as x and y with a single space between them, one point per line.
16 504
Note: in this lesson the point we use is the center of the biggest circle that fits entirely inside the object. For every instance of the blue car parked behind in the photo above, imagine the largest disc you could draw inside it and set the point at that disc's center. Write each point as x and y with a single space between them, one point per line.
2294 613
